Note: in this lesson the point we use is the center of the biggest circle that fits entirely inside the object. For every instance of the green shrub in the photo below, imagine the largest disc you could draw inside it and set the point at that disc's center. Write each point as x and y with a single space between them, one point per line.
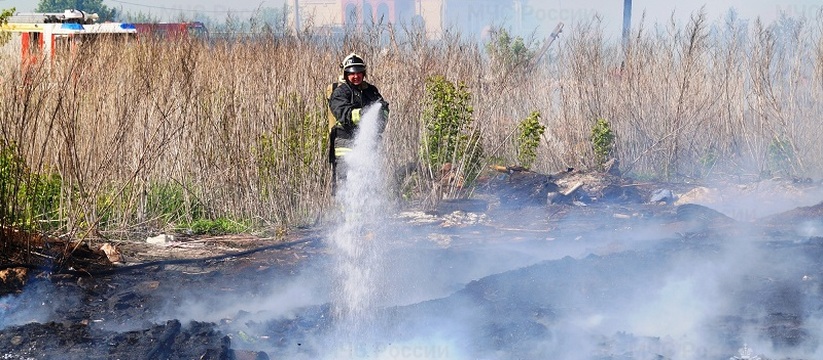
289 158
781 156
12 169
266 154
449 135
43 196
30 200
529 132
219 226
602 139
508 51
171 202
708 161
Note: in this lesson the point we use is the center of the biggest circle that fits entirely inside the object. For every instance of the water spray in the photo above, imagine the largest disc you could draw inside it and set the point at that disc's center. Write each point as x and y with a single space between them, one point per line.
356 241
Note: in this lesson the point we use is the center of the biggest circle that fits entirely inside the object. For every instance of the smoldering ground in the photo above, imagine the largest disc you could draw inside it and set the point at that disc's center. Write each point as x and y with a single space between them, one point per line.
669 284
688 296
606 281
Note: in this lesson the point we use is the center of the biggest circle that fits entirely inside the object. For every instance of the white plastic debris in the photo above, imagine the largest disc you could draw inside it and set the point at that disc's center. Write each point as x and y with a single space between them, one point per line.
161 239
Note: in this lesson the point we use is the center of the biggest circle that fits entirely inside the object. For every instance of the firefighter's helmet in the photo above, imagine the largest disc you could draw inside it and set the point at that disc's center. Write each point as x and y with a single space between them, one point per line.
353 64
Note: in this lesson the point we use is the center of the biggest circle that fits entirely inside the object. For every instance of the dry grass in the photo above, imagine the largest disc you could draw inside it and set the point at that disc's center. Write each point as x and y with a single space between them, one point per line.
238 127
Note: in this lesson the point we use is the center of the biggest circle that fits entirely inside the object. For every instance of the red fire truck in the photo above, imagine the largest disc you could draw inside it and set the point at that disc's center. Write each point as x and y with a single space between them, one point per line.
172 30
44 35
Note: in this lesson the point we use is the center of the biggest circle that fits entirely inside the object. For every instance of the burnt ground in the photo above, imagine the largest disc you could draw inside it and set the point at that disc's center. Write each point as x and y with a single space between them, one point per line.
116 313
601 273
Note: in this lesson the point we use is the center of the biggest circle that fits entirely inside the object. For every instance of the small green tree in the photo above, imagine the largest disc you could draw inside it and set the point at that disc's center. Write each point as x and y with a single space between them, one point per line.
449 135
529 132
602 139
508 51
90 6
4 17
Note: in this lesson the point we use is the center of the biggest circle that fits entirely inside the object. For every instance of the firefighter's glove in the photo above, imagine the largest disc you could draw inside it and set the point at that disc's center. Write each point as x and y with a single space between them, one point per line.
355 116
384 120
384 113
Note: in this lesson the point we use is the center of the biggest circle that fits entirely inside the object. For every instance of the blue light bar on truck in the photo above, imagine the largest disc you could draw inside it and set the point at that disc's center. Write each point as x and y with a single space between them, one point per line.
72 26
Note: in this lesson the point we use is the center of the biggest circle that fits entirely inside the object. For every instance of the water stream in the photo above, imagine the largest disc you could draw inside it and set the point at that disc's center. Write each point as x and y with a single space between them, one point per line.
356 241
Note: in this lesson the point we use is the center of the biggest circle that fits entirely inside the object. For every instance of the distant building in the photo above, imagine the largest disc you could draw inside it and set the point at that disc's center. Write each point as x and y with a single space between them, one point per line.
470 17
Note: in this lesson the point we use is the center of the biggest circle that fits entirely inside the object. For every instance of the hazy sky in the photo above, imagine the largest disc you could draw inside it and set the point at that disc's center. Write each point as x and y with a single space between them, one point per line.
544 15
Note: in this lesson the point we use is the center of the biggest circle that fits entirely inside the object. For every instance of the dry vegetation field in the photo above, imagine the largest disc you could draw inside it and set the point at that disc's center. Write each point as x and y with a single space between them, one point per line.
150 136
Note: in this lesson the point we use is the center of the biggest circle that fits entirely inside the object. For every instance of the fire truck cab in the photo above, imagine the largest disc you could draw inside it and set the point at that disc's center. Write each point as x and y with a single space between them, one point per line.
43 35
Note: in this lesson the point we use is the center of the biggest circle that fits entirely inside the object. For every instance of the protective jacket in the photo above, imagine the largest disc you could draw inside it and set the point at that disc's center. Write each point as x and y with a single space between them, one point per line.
346 103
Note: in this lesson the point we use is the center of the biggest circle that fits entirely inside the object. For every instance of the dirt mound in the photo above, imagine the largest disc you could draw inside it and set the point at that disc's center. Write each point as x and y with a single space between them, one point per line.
803 213
516 187
703 215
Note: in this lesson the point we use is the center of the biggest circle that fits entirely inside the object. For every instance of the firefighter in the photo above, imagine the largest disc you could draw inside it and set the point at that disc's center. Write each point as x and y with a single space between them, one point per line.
346 102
